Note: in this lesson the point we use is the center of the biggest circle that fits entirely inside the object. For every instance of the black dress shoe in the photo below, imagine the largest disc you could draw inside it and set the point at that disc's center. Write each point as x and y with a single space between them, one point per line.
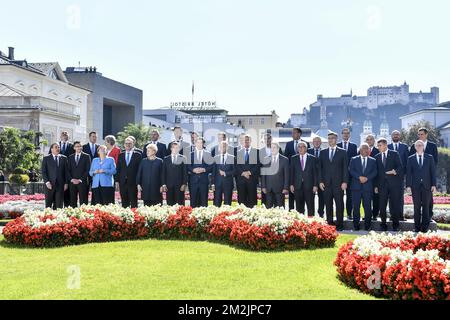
356 228
396 229
384 227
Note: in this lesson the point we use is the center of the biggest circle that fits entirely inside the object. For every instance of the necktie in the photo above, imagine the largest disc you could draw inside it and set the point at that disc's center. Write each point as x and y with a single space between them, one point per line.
420 161
302 162
384 159
247 156
317 153
296 147
332 155
78 158
128 159
64 148
223 159
364 165
57 161
345 146
396 147
93 149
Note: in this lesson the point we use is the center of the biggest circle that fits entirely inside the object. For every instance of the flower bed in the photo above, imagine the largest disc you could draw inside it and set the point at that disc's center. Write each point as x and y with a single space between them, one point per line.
255 229
397 266
437 199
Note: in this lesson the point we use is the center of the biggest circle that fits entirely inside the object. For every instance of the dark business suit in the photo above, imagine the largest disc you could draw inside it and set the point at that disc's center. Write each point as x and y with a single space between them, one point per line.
126 177
92 153
375 197
275 178
55 172
390 186
432 150
321 209
79 171
352 151
289 152
224 185
264 155
162 150
247 188
149 177
174 176
420 179
304 181
362 191
215 151
199 183
65 150
333 173
403 151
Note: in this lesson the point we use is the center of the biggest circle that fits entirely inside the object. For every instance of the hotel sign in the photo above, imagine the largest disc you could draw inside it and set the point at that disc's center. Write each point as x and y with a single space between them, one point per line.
194 105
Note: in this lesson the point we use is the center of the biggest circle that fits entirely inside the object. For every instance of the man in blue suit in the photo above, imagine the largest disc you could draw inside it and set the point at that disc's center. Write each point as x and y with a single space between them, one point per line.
403 151
352 151
200 167
363 171
315 151
290 151
429 148
389 183
222 178
421 181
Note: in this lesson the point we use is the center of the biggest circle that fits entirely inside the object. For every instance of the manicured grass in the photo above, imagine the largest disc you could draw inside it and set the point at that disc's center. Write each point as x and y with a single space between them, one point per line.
175 270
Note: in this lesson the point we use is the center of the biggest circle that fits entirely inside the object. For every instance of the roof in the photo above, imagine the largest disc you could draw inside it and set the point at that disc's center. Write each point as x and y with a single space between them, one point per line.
445 107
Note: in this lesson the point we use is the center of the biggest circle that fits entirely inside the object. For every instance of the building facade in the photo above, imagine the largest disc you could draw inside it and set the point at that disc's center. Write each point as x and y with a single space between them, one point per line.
111 105
39 97
436 116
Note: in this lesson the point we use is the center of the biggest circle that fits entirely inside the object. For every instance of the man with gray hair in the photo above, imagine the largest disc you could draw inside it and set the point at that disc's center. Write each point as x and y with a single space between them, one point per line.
421 181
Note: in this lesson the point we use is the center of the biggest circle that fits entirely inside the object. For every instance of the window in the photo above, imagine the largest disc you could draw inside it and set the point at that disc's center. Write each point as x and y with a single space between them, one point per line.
250 121
263 121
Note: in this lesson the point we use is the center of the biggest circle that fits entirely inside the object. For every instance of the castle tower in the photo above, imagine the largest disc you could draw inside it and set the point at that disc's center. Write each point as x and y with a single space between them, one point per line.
367 129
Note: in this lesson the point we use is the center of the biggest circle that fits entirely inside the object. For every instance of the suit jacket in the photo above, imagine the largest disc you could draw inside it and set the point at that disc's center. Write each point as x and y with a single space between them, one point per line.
393 162
105 179
290 151
88 151
275 179
415 175
215 151
149 177
81 170
333 174
69 149
372 153
431 150
356 171
174 175
253 165
127 174
162 150
309 178
403 151
312 151
228 168
51 172
207 164
352 149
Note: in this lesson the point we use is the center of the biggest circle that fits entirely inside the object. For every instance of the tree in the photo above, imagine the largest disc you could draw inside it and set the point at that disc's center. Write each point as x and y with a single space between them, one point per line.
140 131
18 150
410 136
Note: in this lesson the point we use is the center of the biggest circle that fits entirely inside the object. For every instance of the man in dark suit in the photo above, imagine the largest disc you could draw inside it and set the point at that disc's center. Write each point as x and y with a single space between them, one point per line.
65 149
55 176
352 151
290 151
222 178
127 169
334 179
201 165
403 151
222 136
275 177
178 137
421 181
304 182
247 174
363 172
79 166
315 151
389 183
373 151
143 153
174 177
91 147
431 149
162 149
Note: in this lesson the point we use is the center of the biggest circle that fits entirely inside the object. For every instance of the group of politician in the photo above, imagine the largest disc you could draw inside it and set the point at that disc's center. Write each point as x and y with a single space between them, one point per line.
373 174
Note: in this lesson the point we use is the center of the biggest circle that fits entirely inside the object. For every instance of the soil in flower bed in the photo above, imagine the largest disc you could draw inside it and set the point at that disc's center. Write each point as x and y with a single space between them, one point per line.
254 229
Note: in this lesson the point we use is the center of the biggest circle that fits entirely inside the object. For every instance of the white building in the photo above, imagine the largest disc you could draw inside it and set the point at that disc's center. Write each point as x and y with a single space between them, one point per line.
380 96
38 96
436 116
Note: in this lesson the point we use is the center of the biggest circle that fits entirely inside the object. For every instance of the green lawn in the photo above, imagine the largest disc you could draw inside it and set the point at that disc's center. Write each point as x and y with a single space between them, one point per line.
153 269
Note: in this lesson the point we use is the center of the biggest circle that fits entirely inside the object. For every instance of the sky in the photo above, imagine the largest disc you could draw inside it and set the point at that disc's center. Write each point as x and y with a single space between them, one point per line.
251 56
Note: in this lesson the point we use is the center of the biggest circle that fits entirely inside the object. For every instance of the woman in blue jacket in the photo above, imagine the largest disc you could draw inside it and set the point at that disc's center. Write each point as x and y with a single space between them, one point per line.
102 172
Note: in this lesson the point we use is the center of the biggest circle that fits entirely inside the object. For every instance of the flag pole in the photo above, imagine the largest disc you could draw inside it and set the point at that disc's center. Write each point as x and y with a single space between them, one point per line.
193 91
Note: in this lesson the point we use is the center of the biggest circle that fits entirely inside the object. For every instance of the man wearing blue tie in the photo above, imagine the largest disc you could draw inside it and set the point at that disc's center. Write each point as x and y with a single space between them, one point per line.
403 151
222 178
199 169
421 181
363 172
